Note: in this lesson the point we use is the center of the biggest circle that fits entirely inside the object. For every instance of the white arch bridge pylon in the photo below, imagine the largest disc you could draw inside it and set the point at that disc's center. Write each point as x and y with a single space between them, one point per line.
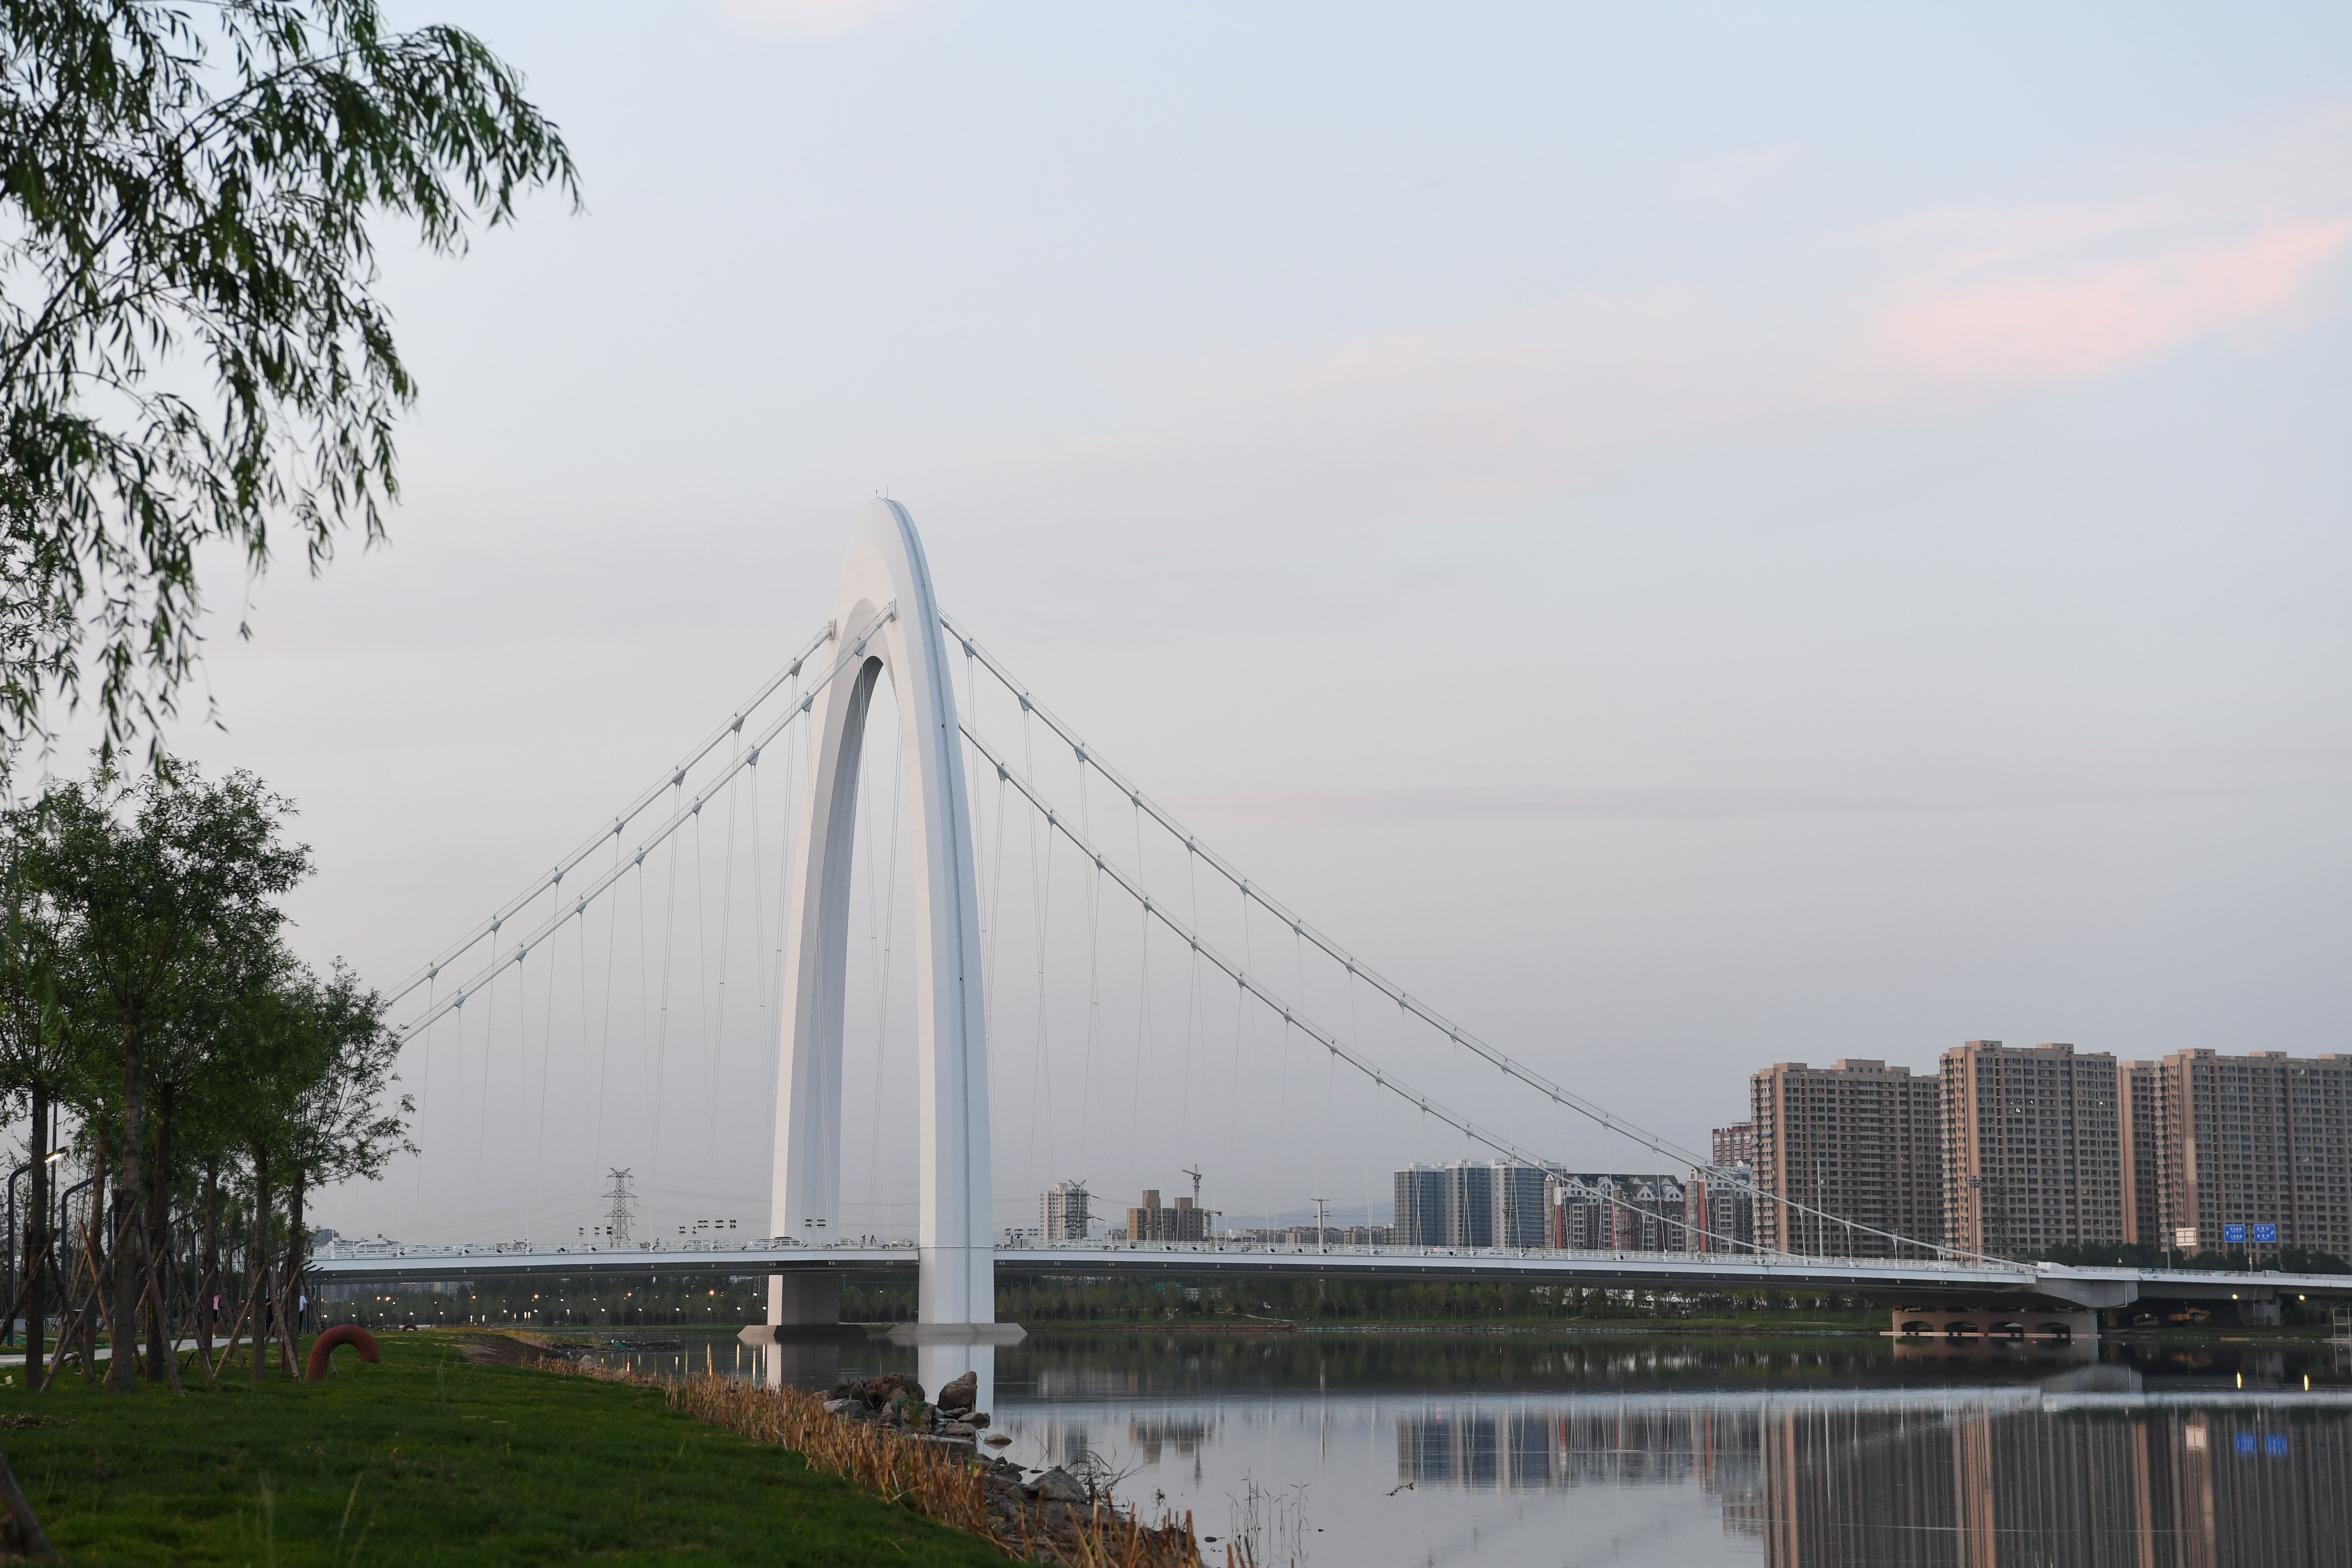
885 585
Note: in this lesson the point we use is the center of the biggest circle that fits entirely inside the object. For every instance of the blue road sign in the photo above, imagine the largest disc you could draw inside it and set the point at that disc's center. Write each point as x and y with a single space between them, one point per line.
2267 1234
2275 1446
2246 1441
2234 1236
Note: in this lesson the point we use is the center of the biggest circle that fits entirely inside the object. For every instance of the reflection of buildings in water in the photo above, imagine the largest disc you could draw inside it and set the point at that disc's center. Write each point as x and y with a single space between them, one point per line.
1605 1445
1063 1442
1977 1480
1154 1435
2110 1488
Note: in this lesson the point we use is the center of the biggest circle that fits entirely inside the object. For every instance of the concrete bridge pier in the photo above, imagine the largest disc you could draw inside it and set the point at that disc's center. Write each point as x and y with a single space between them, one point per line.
796 1301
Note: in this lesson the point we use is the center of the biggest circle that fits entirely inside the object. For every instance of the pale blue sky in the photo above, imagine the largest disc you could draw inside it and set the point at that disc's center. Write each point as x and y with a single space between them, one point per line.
1694 536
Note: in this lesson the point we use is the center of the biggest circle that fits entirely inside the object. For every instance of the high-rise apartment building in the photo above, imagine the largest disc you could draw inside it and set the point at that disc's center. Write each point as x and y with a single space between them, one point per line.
1421 1206
2264 1139
1720 1203
1470 1203
2032 1148
1186 1221
1734 1145
1597 1213
1062 1213
2137 1123
1518 1200
1858 1144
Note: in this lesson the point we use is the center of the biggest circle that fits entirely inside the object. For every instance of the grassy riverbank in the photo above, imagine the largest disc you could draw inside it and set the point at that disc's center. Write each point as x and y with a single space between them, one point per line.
428 1458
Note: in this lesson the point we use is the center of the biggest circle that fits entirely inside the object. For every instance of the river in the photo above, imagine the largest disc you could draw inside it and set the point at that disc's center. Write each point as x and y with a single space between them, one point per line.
1588 1448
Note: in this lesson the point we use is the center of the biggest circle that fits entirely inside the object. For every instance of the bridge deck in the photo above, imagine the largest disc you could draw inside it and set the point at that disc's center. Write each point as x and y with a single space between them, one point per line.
1879 1278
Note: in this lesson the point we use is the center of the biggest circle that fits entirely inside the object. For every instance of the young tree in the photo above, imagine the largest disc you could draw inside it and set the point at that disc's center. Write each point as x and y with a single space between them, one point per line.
341 1129
194 1058
151 882
194 193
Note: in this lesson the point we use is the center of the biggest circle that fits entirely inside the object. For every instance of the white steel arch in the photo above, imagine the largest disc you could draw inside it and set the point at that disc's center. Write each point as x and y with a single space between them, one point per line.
887 611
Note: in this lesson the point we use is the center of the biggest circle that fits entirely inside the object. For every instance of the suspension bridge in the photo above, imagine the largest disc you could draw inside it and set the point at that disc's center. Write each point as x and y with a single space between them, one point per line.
1184 983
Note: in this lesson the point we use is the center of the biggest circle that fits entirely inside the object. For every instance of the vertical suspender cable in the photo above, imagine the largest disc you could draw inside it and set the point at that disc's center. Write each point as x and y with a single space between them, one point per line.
425 1107
482 1109
718 1012
778 1024
604 1045
546 1049
1041 903
701 974
661 1030
1094 973
1142 985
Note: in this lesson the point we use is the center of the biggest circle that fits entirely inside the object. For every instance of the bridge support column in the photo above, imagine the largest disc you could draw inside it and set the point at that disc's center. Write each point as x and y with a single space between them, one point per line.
886 625
802 1301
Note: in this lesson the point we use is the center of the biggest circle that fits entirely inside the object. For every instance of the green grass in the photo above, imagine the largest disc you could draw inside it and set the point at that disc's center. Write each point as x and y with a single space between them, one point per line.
426 1458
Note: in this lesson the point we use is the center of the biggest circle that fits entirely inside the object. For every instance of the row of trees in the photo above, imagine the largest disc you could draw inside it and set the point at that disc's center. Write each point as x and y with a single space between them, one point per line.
206 1079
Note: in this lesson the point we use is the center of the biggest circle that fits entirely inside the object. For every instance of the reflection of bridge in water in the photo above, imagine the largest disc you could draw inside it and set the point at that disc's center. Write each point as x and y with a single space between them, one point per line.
2089 1469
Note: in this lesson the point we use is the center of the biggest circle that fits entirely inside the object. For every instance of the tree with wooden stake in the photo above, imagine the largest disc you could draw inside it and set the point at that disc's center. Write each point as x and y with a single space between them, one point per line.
341 1129
38 1065
149 880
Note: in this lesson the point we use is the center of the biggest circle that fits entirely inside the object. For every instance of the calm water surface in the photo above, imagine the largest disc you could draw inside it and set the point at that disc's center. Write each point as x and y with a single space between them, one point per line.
1574 1449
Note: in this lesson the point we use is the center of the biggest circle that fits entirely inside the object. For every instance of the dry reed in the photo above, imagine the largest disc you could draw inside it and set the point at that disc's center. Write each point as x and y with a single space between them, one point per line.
940 1481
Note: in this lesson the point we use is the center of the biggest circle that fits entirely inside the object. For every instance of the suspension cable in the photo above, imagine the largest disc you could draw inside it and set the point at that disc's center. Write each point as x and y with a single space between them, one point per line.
488 928
1339 1048
1509 1066
680 818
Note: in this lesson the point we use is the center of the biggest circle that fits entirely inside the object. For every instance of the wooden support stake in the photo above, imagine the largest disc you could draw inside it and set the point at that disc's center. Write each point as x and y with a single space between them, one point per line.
20 1533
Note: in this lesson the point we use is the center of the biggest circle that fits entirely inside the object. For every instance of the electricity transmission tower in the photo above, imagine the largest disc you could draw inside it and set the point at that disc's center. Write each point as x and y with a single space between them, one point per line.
616 1218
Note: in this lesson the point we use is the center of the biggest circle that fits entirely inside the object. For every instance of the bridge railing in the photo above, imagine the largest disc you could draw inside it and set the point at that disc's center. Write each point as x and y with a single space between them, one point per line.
1299 1250
343 1249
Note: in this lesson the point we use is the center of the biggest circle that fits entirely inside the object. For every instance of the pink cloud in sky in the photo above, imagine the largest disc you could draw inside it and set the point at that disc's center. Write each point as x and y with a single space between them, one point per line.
1499 408
2064 321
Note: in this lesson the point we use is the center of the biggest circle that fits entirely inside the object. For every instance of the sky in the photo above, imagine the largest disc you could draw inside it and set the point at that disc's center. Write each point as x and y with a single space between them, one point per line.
1690 536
